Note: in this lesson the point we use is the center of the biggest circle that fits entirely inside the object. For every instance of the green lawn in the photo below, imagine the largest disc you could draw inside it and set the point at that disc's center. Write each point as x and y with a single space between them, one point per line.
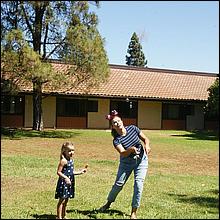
182 181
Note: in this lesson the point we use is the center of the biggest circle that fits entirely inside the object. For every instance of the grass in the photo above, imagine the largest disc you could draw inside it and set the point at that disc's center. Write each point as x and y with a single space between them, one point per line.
182 180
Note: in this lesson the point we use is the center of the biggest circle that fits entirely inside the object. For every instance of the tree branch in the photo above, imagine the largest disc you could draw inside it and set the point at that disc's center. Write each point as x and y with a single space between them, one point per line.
46 57
45 39
26 19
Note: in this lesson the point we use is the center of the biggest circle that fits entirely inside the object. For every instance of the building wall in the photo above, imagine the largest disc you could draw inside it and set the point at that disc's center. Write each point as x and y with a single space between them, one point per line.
149 115
196 121
71 122
173 124
28 113
48 108
49 111
212 125
15 121
97 119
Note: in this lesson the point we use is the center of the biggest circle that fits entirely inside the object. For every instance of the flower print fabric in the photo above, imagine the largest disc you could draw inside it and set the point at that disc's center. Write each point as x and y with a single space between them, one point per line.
64 190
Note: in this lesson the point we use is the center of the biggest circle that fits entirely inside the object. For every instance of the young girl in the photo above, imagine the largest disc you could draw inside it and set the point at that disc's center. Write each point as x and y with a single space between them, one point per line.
66 183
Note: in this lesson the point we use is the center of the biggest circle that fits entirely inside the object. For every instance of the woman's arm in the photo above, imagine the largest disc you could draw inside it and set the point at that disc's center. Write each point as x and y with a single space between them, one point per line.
146 142
125 153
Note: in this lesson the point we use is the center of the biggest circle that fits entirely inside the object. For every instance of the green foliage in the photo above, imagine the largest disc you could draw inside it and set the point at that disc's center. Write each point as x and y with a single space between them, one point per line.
63 29
212 106
136 56
84 50
21 65
35 31
44 23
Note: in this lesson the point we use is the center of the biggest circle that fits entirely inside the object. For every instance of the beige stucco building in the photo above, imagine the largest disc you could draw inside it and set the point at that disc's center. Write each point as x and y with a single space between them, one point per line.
147 97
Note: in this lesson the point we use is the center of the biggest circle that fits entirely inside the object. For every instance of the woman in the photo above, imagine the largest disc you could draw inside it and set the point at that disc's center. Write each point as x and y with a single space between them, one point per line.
133 157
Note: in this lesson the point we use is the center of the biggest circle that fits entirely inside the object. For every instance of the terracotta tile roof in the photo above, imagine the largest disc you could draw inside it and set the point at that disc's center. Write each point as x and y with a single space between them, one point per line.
156 84
149 83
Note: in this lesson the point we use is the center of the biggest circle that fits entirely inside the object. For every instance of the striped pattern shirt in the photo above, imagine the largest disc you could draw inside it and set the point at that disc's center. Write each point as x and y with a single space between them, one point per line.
132 138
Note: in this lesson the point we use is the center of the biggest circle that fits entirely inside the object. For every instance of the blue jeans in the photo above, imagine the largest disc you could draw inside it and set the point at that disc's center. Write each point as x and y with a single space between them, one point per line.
126 166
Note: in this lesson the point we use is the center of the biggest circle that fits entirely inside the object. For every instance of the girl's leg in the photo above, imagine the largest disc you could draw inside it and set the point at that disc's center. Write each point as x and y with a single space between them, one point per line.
64 208
60 208
139 176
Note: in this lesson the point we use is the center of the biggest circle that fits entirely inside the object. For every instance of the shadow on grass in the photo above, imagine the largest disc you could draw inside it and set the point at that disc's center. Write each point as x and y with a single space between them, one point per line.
16 133
89 213
199 200
215 191
93 213
200 135
44 216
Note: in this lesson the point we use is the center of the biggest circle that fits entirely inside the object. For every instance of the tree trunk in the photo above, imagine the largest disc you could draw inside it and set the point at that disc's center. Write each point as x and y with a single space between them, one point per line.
37 106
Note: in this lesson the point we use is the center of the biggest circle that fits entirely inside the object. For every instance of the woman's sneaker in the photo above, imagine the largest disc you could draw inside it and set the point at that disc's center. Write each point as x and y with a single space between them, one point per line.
104 208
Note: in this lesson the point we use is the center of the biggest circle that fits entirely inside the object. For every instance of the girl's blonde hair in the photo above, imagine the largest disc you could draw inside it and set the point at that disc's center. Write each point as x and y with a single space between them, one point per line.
64 148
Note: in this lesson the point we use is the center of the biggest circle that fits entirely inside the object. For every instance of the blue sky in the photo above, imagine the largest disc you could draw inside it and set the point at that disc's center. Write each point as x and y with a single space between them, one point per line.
182 35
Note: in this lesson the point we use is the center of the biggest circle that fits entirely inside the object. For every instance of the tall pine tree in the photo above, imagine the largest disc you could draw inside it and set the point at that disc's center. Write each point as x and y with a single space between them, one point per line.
32 32
136 56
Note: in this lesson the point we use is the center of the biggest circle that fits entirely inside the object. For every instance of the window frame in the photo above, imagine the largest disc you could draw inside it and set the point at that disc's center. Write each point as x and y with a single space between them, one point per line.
72 107
126 109
14 104
182 111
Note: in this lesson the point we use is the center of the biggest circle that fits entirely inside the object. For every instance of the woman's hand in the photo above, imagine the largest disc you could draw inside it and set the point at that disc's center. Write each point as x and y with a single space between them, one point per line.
135 150
147 149
126 153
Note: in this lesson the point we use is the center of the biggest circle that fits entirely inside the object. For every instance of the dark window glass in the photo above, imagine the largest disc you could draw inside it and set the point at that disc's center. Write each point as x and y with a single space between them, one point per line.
125 109
12 105
187 110
92 106
177 111
71 107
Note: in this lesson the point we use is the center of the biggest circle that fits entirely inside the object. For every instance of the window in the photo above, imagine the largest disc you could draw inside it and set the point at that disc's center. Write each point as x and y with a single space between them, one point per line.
125 109
177 111
92 106
12 105
71 107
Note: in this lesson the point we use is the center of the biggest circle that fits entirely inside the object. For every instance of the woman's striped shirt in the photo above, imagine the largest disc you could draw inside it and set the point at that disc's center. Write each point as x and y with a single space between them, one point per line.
132 138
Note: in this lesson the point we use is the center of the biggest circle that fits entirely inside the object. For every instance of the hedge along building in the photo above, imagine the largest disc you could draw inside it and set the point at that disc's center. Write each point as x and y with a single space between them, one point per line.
147 97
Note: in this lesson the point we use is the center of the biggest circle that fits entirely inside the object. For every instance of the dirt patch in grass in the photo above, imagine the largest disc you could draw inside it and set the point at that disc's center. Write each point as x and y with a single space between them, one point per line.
199 164
51 148
160 160
13 187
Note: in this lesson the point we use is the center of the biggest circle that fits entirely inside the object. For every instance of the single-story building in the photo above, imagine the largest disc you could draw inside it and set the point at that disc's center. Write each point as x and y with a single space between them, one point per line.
150 98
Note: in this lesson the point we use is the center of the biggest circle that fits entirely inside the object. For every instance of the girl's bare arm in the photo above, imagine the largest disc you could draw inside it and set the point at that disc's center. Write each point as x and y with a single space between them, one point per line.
61 164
